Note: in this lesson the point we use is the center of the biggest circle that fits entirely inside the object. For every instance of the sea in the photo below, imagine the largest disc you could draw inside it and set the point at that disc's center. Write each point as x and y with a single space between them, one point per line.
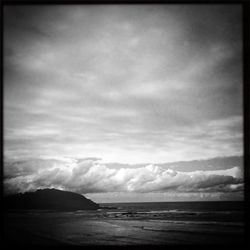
119 224
215 212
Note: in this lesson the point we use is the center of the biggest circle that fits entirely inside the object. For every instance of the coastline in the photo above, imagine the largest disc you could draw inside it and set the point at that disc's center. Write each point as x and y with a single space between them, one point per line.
92 228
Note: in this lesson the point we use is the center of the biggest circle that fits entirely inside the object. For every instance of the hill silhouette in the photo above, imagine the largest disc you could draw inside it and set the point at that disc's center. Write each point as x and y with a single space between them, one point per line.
49 199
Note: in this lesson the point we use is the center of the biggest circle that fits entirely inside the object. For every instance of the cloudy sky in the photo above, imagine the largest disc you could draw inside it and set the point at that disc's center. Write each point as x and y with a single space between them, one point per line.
86 86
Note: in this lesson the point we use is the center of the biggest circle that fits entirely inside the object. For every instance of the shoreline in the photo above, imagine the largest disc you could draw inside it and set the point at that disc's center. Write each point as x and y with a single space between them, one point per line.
89 230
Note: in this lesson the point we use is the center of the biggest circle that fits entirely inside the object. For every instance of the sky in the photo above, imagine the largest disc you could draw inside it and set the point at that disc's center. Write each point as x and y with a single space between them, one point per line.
90 85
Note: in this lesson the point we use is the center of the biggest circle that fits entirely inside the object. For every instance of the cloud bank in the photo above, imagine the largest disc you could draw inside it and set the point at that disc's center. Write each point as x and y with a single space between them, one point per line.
90 176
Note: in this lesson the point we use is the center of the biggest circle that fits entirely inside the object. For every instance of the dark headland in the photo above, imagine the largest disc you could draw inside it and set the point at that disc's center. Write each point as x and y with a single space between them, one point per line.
49 199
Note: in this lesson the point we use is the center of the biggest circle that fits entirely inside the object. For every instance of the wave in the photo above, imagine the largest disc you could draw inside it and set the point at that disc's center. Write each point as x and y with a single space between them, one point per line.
173 211
239 224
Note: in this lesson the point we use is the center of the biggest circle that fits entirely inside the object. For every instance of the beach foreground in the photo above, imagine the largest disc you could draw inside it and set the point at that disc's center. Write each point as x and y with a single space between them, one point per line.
116 228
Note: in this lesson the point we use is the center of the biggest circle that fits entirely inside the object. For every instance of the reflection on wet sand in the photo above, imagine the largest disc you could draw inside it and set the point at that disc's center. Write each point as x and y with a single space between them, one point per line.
114 228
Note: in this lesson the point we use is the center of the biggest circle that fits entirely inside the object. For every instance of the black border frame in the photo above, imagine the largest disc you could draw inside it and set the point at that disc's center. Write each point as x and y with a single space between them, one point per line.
246 107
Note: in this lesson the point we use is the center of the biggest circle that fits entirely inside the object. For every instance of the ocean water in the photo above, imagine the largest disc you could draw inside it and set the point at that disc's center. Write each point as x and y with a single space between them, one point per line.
227 212
117 224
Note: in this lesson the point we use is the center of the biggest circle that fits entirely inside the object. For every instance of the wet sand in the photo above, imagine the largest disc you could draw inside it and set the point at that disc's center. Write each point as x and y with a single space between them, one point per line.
92 228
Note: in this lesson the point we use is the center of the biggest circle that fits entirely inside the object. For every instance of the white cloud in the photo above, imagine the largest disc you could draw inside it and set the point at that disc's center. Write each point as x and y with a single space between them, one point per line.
91 176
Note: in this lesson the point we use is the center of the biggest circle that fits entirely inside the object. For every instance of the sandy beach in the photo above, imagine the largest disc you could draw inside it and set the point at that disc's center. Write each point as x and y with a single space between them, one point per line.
98 228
